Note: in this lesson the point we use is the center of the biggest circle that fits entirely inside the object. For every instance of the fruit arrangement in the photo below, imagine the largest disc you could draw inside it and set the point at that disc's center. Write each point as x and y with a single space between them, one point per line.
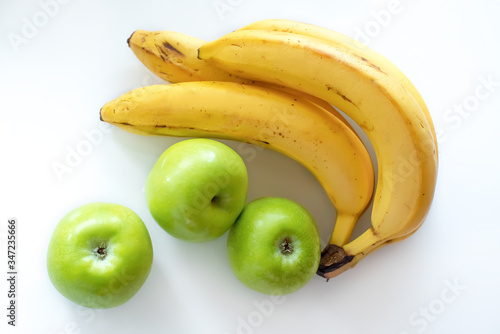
279 84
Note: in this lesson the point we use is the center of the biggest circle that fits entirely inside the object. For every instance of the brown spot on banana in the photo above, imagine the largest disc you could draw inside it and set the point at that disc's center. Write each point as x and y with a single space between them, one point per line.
147 50
345 98
169 46
163 54
372 65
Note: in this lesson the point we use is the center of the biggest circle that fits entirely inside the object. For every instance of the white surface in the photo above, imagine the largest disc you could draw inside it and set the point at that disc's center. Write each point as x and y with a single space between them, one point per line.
52 88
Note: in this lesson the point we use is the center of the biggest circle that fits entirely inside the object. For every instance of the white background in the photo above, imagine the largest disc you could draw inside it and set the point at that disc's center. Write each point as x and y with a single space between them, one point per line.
444 279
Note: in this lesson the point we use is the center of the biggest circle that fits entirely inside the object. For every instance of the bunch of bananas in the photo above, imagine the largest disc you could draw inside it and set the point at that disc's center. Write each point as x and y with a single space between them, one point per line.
277 84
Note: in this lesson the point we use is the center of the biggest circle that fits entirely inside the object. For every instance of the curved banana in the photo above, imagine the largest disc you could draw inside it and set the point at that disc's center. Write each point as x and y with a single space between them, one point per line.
389 114
349 45
173 56
296 127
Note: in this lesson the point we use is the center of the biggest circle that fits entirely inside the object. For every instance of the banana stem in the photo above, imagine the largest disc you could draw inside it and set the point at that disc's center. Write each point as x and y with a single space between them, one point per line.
335 260
365 243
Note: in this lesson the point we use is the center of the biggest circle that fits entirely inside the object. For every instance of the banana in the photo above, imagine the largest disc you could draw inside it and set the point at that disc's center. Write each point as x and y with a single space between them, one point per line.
173 56
348 45
390 115
274 119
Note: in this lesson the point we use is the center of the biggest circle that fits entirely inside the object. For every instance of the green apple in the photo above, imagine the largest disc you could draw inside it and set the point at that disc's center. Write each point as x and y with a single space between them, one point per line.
274 246
99 255
196 189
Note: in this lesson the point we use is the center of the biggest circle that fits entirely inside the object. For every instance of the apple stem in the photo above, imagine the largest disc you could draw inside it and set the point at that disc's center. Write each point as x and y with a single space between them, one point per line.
215 200
286 246
100 251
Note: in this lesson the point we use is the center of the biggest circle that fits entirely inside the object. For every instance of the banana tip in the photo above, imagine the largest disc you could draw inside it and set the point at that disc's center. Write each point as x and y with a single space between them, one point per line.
128 39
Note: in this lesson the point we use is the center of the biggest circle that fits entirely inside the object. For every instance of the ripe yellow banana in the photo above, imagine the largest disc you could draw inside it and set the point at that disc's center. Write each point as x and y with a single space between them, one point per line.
389 114
274 119
173 56
348 45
